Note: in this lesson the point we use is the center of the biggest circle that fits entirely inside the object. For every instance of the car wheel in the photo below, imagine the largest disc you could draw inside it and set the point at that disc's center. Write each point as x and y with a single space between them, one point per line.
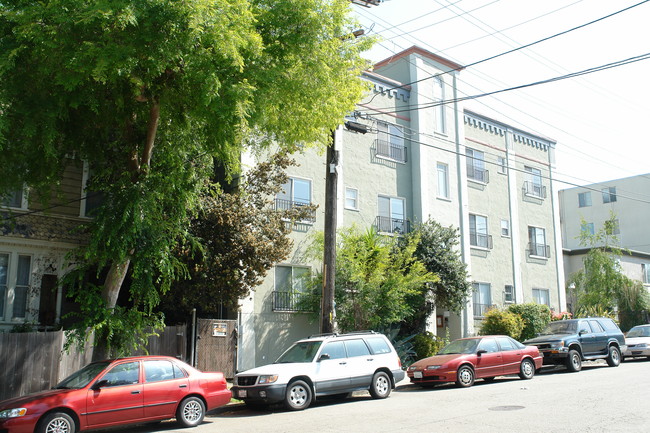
56 422
573 361
380 386
527 369
465 376
298 395
190 412
614 356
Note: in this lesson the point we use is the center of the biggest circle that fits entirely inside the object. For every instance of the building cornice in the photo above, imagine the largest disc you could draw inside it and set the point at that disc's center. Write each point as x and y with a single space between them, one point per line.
499 128
387 86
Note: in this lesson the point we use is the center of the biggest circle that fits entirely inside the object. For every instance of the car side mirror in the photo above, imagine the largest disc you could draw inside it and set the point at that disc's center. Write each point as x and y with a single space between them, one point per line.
100 384
323 357
583 331
481 352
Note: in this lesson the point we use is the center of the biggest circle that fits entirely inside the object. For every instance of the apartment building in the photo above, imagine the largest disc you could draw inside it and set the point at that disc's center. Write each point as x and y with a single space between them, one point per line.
587 208
404 157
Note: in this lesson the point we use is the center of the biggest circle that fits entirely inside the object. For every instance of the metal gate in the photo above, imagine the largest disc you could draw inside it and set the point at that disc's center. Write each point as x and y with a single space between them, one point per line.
216 347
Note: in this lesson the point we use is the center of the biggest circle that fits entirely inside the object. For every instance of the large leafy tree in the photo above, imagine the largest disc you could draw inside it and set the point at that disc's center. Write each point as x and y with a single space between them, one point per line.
239 236
378 280
149 92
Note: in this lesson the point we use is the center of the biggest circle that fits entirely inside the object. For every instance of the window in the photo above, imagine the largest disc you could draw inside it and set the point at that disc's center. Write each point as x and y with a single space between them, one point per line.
482 299
294 193
489 345
609 194
157 371
478 232
595 326
541 296
502 165
15 282
505 228
587 227
351 198
506 343
14 199
335 350
290 287
390 142
584 199
123 374
612 227
356 348
23 278
533 184
93 199
443 180
645 270
392 215
476 165
439 106
378 345
509 294
537 242
4 270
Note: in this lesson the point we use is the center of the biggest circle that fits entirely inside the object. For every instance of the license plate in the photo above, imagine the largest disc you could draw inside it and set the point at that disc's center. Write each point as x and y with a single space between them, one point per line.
417 374
241 393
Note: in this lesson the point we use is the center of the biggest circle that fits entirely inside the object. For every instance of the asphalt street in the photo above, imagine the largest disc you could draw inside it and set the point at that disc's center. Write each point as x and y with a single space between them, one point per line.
597 399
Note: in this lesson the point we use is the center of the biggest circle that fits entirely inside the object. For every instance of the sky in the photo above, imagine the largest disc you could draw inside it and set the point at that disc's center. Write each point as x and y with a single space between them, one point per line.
598 120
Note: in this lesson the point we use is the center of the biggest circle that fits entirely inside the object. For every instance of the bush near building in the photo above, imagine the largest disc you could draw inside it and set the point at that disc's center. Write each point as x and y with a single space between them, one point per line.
534 316
502 322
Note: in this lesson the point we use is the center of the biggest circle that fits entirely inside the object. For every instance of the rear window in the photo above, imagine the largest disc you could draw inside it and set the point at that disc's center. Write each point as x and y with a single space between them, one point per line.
378 345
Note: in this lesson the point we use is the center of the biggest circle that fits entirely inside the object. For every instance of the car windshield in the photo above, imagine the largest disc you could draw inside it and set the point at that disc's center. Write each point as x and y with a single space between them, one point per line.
303 351
639 331
560 327
460 346
81 378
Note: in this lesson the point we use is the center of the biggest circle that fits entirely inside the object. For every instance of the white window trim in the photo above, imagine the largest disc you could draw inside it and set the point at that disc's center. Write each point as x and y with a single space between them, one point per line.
447 193
507 221
6 316
487 234
548 295
345 199
545 242
24 200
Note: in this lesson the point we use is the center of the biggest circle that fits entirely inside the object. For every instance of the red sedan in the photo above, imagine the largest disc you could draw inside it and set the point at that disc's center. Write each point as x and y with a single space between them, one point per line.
467 359
122 391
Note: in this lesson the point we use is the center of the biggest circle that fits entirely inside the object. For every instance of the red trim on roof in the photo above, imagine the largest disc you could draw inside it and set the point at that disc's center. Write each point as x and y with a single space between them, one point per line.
417 50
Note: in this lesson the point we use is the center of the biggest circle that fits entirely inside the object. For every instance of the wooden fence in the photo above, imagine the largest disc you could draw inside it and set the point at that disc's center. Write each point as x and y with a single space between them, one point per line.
34 361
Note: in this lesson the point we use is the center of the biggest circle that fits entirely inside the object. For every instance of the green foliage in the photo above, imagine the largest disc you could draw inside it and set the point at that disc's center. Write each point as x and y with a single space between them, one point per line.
438 250
535 318
378 281
502 322
149 94
426 344
601 285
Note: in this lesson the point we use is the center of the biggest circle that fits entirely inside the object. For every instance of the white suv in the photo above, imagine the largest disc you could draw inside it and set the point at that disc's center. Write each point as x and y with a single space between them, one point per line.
323 365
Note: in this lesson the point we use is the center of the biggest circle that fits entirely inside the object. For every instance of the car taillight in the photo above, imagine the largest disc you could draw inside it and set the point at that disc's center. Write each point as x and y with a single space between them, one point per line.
399 362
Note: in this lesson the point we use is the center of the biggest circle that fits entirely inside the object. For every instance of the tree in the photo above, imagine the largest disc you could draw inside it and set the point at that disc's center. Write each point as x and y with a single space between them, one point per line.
378 280
149 93
437 250
601 285
240 235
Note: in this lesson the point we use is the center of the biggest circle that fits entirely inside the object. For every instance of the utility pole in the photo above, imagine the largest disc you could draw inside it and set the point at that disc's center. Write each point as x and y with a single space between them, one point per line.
328 314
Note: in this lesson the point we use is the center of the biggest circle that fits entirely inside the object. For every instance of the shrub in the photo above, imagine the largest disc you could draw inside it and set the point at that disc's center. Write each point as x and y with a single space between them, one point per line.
502 322
535 317
426 344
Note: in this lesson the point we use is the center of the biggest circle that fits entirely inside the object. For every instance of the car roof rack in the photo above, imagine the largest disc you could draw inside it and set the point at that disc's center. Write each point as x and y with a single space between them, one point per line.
336 334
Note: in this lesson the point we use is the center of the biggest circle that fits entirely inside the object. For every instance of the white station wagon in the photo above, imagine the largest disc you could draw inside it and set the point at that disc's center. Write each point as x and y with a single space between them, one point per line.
332 364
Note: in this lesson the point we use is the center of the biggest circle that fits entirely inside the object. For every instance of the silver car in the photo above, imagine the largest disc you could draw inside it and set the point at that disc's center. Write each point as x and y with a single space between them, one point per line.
638 342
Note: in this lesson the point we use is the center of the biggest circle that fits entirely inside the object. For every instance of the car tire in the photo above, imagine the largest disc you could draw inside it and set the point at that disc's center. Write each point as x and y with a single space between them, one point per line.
190 412
465 377
381 385
298 395
613 356
527 369
56 422
573 361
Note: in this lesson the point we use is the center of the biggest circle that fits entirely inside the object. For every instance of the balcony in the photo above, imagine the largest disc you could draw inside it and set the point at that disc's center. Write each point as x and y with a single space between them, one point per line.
539 250
289 301
480 240
392 225
478 174
284 204
386 149
534 189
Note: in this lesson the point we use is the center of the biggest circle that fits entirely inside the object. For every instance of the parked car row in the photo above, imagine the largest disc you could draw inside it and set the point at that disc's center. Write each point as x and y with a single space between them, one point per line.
154 388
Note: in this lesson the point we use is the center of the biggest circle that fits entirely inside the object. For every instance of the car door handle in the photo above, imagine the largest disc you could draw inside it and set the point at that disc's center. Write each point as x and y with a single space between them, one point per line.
370 359
342 363
135 392
182 386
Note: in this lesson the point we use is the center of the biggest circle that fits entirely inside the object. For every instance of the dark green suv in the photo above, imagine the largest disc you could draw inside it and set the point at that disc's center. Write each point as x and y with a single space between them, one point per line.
569 342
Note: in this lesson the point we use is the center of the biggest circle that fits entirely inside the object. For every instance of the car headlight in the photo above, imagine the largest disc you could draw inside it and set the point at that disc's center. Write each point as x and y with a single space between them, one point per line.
13 413
433 367
267 378
642 345
557 345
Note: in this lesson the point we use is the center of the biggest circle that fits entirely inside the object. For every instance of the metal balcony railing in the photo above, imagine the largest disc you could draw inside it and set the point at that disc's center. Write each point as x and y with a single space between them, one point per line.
386 149
289 301
478 174
392 225
480 240
539 250
534 189
284 204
